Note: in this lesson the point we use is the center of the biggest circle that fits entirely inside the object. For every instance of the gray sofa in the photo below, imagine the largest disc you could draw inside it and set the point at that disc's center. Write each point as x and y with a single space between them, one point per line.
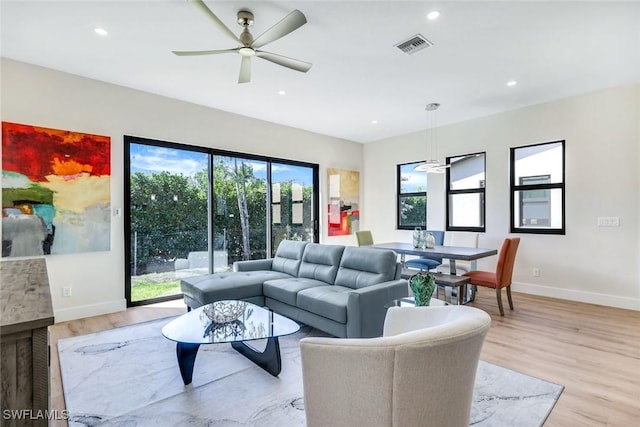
340 290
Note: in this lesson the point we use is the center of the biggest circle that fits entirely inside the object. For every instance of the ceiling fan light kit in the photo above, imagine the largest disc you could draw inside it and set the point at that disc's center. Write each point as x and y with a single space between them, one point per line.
248 46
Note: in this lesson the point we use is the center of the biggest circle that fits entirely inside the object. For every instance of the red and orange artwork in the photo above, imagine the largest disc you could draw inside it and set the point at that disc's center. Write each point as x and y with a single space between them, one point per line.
56 191
344 200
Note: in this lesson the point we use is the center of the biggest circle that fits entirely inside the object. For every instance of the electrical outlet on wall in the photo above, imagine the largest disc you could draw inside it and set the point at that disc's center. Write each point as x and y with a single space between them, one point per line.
66 291
536 272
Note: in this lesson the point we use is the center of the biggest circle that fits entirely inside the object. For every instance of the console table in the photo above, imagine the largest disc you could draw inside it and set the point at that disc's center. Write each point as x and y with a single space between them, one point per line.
25 314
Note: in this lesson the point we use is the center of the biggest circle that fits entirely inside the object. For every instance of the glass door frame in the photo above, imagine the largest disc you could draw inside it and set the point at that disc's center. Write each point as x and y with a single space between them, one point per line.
212 153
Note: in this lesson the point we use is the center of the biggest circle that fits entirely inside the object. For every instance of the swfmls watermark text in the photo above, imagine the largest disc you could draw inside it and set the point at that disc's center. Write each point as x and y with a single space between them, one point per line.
34 414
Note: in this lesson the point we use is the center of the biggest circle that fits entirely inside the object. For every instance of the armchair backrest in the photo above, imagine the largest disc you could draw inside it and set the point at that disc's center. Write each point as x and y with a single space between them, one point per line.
403 379
506 261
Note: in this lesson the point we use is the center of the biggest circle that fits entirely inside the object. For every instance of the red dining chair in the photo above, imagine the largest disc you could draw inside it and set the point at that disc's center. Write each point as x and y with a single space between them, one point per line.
503 274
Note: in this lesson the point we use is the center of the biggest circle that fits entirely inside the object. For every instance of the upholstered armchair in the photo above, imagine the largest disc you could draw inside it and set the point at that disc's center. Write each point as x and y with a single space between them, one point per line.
420 372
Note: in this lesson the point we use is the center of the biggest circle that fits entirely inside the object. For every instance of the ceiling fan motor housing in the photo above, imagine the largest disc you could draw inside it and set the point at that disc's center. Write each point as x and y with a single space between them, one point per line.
245 18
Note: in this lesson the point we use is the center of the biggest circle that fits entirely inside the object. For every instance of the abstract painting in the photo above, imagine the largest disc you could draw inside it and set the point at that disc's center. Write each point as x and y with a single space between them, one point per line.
344 199
56 191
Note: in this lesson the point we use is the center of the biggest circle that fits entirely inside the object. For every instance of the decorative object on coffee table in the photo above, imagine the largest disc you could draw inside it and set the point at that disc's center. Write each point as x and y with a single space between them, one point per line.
225 311
422 285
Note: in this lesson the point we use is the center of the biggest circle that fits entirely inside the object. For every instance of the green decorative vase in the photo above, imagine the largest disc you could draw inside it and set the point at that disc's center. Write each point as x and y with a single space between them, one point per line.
422 285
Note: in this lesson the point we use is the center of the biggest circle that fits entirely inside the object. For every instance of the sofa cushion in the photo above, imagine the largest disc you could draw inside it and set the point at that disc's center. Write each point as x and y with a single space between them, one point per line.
328 301
320 262
234 285
286 290
288 257
363 266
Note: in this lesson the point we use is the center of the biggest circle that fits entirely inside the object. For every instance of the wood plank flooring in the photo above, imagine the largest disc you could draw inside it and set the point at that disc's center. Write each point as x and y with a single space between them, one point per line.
593 351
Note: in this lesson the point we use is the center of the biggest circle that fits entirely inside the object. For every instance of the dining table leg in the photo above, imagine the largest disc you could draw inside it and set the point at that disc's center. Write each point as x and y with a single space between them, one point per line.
452 267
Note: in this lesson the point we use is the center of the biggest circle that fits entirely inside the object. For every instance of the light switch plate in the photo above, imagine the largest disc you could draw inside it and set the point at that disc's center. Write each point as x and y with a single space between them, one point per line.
608 221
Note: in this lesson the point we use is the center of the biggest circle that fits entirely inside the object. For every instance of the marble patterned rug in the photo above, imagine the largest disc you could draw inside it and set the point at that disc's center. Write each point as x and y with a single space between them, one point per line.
129 377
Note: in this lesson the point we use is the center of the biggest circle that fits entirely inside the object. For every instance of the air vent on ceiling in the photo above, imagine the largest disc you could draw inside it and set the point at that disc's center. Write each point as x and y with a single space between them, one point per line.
414 44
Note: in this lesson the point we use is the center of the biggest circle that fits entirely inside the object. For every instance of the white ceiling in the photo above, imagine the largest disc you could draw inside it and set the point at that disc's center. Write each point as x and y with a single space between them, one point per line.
553 49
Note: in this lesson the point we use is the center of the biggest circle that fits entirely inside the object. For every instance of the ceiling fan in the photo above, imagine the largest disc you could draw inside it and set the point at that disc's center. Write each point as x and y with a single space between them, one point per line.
248 46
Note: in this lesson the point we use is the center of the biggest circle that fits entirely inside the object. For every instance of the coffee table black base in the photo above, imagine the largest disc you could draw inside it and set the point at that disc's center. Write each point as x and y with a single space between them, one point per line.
269 359
186 358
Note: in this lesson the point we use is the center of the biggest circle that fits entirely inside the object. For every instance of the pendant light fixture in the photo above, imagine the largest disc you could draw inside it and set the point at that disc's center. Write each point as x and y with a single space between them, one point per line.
431 165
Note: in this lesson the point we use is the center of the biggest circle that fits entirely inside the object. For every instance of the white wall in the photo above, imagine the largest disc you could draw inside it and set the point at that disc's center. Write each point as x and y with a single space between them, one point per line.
43 97
602 133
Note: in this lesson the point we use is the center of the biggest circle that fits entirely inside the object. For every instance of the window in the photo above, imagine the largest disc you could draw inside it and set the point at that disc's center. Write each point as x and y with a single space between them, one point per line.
535 205
412 197
537 188
465 206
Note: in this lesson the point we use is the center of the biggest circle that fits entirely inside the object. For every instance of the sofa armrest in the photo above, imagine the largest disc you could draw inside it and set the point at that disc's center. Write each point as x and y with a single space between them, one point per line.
253 265
366 307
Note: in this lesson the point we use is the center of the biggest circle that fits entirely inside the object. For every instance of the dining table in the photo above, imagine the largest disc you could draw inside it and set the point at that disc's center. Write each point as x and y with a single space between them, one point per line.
452 253
438 252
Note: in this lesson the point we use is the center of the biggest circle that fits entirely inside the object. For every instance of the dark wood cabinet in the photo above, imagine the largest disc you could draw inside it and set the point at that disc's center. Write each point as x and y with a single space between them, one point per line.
25 314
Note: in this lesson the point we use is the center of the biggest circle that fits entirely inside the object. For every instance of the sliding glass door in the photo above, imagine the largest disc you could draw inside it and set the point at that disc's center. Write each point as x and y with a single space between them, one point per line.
168 219
239 209
195 210
293 208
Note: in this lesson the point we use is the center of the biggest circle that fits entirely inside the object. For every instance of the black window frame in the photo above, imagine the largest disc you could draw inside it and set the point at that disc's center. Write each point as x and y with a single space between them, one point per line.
481 189
400 196
517 187
211 152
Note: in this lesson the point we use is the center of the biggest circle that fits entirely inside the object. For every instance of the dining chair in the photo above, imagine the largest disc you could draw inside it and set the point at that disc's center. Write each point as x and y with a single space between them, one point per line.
426 264
502 277
459 238
364 237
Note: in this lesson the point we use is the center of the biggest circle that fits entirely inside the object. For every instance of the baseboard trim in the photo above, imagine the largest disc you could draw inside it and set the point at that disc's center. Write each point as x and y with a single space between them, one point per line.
578 295
64 314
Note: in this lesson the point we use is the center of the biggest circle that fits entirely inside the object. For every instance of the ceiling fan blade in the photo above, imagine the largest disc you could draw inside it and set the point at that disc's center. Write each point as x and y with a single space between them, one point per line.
294 64
203 7
245 70
202 52
289 23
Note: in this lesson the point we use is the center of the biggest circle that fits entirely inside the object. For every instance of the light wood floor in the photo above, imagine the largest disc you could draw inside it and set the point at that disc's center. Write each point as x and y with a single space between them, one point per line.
593 351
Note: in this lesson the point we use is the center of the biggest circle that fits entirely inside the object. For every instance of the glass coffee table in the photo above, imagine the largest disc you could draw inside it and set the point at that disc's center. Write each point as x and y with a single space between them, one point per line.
229 321
411 302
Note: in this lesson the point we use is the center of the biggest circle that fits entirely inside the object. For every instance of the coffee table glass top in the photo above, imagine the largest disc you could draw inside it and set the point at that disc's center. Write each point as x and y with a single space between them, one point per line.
411 302
228 321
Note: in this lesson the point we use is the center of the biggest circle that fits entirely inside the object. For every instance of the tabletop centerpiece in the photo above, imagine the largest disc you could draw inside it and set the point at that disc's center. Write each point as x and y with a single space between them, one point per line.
422 284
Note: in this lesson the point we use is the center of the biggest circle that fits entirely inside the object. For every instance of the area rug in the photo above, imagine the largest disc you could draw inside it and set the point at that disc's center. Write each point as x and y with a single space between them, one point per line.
129 377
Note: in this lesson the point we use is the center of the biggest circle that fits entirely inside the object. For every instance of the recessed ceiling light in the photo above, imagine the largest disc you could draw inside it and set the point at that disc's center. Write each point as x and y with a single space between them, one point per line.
512 83
101 31
374 122
435 14
282 92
